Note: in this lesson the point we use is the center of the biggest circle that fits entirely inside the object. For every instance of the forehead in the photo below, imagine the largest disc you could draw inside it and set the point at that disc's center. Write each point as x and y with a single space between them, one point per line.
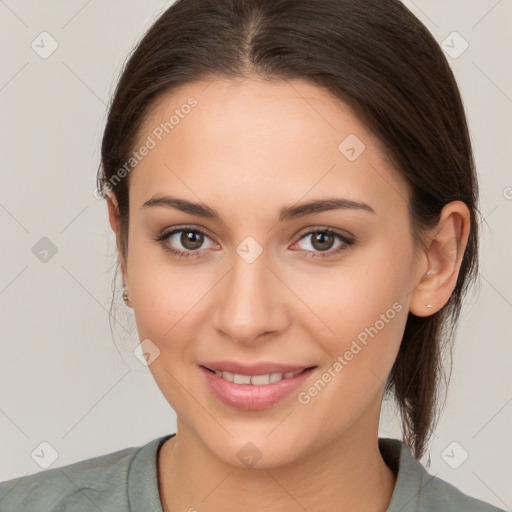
254 137
243 108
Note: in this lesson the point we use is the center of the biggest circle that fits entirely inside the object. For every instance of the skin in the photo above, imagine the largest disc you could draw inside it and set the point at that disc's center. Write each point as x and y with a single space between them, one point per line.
246 150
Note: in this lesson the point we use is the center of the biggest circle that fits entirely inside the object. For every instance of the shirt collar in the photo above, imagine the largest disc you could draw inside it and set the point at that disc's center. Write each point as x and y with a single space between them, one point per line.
143 494
412 477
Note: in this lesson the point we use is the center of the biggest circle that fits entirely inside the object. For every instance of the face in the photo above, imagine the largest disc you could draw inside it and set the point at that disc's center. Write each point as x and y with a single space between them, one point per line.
258 281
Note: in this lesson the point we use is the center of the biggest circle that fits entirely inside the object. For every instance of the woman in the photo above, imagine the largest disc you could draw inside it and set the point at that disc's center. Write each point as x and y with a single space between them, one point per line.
292 190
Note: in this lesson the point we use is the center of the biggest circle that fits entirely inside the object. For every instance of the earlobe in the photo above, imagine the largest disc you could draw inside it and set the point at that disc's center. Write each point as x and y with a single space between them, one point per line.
445 250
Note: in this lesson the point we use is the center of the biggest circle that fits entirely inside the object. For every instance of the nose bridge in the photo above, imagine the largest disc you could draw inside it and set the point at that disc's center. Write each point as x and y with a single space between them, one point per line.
249 302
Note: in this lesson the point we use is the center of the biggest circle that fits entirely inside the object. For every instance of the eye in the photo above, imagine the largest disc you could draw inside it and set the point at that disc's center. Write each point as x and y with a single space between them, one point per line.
322 240
190 239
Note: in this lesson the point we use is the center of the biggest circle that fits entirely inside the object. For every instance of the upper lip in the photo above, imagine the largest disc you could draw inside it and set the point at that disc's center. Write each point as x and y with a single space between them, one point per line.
252 369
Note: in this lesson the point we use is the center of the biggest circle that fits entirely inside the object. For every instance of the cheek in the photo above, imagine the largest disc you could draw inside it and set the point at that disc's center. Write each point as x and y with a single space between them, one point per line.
165 303
170 302
363 309
159 288
353 295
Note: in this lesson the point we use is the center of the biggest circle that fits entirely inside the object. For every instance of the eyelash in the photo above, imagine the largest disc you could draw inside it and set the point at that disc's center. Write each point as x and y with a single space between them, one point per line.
347 242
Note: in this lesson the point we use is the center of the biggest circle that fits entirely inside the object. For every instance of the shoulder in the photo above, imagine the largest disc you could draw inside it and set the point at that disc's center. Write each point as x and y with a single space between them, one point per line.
86 485
416 490
437 494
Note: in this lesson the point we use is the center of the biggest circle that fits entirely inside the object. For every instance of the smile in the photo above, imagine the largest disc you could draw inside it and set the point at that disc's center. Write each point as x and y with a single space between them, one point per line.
257 380
254 392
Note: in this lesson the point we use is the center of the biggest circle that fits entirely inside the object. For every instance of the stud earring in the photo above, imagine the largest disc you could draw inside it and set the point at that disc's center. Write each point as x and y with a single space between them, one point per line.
125 296
428 305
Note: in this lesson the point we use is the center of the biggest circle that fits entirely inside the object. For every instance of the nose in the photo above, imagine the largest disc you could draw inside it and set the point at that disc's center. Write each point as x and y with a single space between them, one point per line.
250 302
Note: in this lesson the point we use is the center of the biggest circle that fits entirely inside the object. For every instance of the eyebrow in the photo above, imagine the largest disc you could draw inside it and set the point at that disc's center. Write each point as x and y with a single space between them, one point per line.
285 213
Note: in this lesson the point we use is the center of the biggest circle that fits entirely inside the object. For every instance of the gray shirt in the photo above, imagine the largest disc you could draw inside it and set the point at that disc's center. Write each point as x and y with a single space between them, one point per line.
126 480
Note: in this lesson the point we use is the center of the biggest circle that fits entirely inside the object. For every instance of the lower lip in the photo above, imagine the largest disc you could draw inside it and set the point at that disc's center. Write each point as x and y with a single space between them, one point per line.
252 397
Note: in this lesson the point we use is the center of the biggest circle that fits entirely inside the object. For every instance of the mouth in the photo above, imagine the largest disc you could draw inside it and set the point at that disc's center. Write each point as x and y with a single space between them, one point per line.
256 380
254 390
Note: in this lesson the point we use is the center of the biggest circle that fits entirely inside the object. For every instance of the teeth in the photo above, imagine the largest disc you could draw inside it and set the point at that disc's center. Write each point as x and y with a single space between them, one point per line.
274 377
257 380
241 379
260 379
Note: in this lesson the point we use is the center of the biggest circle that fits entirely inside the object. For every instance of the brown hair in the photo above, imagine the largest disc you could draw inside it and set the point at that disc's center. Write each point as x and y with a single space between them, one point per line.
379 59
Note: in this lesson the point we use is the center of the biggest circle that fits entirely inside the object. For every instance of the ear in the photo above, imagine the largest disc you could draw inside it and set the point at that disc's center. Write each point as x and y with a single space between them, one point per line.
115 224
445 250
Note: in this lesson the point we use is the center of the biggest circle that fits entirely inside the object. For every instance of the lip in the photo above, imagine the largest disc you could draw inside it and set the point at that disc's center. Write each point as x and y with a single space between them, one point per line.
252 397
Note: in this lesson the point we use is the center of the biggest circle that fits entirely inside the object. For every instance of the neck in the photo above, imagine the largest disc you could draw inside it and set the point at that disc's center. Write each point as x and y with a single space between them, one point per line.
346 474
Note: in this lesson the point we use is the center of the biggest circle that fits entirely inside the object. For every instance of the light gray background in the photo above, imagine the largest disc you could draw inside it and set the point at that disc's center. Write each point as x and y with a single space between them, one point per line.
62 379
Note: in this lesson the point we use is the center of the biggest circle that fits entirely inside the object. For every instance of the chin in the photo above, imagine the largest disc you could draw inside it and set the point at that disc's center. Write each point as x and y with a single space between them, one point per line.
254 450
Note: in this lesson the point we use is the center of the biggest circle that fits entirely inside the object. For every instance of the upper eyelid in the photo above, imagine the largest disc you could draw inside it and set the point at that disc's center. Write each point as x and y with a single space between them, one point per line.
336 231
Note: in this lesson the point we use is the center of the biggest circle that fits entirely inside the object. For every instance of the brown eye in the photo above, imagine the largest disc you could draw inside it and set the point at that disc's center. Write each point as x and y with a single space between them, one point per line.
186 242
322 241
191 240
